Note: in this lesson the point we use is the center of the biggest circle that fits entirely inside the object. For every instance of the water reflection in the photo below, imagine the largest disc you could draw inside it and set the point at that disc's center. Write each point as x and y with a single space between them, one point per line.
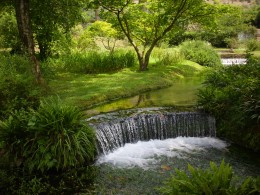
181 94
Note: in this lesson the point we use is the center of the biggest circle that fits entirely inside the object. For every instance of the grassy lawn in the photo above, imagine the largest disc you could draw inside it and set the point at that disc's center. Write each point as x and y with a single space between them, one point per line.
86 90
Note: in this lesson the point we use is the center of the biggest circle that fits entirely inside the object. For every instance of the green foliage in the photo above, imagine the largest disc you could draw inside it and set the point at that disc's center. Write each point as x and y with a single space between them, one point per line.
104 32
9 32
49 29
232 43
200 52
53 137
252 45
84 40
96 62
227 22
214 180
232 94
17 87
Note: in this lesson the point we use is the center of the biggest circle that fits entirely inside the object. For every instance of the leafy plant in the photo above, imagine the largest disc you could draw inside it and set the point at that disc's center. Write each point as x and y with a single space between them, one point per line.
214 180
200 52
53 137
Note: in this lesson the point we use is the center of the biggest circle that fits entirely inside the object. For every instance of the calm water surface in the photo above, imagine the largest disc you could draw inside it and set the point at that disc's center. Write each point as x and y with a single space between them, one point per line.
180 94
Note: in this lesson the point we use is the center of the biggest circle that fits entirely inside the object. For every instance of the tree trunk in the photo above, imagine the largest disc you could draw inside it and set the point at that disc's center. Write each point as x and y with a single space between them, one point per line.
26 35
144 59
97 14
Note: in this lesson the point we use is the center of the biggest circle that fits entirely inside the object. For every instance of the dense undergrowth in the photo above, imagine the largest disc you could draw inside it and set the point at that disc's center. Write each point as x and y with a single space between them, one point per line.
232 95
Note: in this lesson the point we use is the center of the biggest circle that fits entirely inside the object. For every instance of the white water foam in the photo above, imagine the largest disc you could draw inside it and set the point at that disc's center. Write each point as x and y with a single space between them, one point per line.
144 154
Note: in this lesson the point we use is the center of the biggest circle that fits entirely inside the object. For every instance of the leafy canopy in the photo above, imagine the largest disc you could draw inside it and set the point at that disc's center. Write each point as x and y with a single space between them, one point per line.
147 23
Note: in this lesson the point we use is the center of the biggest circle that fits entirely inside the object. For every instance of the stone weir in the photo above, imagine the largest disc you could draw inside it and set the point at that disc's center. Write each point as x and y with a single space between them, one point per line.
143 127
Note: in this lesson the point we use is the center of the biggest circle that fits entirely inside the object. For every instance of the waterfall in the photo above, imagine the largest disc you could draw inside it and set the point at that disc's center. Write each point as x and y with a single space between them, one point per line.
233 61
143 127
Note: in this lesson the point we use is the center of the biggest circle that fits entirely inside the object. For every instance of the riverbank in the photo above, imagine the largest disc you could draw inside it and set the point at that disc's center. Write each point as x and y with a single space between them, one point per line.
86 90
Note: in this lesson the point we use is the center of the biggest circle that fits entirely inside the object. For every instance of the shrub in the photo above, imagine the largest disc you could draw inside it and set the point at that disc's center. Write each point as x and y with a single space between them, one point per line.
211 181
252 45
53 137
232 95
232 43
200 52
17 85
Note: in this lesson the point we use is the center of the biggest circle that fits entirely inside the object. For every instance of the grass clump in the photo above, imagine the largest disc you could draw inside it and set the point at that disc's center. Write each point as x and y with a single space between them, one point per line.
201 53
169 56
54 137
214 180
94 62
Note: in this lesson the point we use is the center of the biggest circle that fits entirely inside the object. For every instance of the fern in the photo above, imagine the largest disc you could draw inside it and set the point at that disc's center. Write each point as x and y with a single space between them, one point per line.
212 181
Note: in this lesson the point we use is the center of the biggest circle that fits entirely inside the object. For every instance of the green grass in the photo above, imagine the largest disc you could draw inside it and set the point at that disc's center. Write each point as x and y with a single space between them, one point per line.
87 90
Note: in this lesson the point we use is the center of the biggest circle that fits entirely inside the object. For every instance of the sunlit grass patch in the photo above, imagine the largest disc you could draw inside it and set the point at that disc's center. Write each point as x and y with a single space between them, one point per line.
85 90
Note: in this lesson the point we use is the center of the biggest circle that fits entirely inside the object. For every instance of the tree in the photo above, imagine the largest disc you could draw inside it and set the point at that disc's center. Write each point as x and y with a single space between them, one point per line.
104 32
145 23
51 19
44 19
229 22
22 10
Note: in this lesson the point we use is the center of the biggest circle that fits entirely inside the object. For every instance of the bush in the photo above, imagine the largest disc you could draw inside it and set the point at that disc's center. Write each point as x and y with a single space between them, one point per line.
232 43
232 95
252 45
53 137
17 84
200 52
95 62
211 181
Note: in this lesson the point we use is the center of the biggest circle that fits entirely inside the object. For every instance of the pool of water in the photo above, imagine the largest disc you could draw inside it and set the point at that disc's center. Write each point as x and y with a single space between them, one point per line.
181 94
142 167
